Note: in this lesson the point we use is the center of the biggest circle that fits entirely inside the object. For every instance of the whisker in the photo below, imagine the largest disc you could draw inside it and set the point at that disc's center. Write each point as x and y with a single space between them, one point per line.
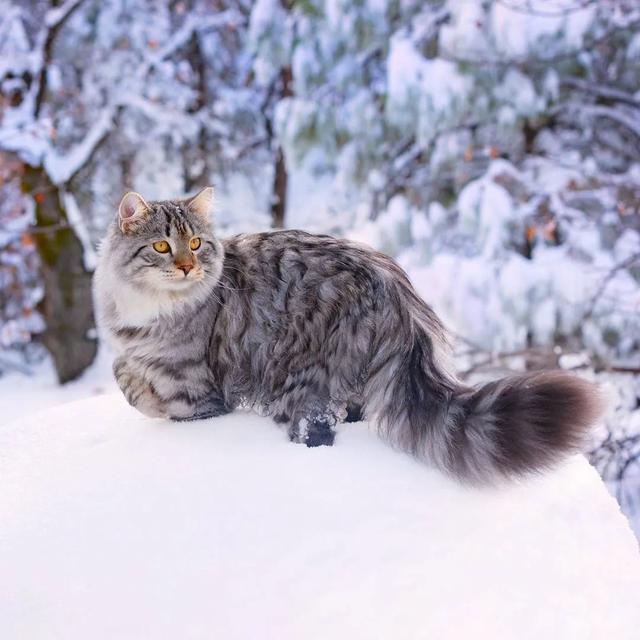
223 286
238 269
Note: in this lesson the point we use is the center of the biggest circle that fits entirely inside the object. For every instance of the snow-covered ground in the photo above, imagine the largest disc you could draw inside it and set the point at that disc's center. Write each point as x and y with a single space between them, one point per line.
117 526
22 394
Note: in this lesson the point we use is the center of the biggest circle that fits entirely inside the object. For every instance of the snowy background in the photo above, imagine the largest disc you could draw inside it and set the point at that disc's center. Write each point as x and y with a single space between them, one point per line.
492 147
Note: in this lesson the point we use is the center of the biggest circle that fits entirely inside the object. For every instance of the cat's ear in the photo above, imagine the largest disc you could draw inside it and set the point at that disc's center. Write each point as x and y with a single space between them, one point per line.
202 204
132 210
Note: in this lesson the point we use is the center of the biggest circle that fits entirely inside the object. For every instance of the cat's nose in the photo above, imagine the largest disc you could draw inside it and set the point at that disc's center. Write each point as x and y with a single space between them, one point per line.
185 267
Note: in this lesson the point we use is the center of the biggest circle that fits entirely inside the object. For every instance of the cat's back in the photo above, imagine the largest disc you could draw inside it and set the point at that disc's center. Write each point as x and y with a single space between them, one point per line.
275 244
285 255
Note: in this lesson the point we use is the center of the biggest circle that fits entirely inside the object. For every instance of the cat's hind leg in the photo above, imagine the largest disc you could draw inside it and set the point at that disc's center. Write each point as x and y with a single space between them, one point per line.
355 412
304 403
313 426
315 429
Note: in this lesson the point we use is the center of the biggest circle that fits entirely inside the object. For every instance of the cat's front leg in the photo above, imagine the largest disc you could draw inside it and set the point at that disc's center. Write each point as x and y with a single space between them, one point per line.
154 391
138 390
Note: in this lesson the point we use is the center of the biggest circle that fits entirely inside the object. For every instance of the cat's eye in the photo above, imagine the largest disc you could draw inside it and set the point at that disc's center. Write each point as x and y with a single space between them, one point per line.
195 244
162 246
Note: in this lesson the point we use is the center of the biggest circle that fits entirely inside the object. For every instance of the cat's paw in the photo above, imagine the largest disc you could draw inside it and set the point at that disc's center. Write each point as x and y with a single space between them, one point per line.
320 433
314 432
198 415
192 417
354 413
201 410
148 403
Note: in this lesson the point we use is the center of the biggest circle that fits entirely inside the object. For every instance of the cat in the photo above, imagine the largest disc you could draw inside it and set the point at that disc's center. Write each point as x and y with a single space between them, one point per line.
311 330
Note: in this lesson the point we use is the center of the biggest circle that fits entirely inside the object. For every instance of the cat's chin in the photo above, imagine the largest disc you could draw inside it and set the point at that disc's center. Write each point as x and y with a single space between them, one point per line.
181 285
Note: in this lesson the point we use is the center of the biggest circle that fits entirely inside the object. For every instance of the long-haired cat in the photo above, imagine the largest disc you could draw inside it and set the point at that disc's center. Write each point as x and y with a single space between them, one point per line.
311 330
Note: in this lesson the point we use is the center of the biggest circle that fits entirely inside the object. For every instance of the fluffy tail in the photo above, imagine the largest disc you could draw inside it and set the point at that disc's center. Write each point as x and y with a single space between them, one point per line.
502 429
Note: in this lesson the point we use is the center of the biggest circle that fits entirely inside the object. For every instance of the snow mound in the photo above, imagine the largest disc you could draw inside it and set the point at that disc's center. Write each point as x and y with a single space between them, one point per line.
116 526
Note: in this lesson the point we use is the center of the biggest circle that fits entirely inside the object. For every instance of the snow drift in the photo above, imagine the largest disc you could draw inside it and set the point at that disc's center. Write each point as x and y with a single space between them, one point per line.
116 526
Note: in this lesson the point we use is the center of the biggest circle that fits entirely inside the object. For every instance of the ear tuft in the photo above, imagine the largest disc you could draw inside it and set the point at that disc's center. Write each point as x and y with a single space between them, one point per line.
202 204
132 208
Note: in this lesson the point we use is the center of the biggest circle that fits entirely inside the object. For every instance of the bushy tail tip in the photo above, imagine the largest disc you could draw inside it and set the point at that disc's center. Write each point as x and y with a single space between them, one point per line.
520 424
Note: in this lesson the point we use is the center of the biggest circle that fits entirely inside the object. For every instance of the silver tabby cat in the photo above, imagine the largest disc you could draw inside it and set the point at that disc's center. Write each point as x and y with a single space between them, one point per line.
311 330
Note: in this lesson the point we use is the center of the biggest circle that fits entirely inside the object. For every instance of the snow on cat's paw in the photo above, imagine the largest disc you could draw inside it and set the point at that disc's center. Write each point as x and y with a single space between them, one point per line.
314 432
320 434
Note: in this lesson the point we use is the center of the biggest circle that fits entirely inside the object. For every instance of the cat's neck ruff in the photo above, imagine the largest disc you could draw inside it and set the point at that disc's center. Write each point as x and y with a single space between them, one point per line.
135 306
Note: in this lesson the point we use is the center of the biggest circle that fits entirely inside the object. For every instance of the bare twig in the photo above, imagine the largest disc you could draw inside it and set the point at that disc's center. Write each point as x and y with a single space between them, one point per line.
54 20
603 91
615 115
625 264
579 5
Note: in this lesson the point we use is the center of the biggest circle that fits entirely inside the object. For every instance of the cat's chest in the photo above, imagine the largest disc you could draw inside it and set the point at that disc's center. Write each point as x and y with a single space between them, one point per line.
139 310
143 323
153 338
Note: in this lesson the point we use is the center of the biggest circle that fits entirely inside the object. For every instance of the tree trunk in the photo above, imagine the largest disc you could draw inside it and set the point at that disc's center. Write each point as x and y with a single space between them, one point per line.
279 191
280 173
67 305
197 154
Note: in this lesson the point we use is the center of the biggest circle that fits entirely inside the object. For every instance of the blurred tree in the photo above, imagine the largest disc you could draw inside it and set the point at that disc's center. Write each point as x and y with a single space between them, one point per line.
435 117
271 38
66 306
99 96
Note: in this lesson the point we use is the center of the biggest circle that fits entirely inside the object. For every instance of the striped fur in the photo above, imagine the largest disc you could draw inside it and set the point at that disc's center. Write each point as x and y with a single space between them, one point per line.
312 330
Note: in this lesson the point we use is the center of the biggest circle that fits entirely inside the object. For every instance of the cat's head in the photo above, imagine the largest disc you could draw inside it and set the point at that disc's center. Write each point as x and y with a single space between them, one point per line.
166 245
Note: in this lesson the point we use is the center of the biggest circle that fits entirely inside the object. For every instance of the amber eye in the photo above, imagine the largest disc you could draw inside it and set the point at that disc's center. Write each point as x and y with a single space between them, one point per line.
194 244
162 246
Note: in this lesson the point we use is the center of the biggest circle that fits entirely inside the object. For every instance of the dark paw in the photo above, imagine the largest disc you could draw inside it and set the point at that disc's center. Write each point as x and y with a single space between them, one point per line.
319 433
314 432
195 416
354 413
203 410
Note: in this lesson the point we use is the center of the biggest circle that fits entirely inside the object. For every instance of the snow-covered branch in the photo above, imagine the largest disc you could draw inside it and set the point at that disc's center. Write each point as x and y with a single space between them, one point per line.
62 167
171 117
528 7
602 91
54 21
57 15
624 264
615 115
74 216
193 23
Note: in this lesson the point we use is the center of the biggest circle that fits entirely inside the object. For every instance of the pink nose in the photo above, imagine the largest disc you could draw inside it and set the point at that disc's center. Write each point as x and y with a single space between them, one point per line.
186 267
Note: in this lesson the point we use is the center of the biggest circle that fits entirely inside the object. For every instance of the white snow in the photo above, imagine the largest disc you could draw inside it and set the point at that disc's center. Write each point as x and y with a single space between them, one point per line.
22 394
55 16
560 24
61 168
117 526
443 91
74 216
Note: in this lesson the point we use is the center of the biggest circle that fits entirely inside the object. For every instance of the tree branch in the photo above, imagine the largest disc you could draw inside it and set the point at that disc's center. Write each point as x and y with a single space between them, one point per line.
579 5
54 20
609 93
62 168
625 264
615 115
